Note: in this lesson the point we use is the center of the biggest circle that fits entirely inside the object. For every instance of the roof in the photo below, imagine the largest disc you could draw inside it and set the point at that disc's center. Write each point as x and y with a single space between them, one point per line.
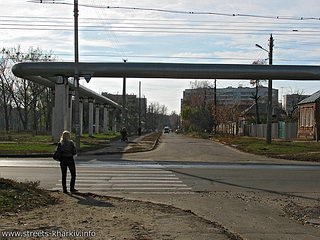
314 97
262 108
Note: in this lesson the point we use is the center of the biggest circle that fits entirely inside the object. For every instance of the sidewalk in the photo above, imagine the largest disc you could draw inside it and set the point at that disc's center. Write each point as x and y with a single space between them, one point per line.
134 144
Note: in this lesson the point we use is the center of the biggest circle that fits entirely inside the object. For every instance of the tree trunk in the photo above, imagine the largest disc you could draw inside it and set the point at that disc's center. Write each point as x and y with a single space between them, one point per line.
5 106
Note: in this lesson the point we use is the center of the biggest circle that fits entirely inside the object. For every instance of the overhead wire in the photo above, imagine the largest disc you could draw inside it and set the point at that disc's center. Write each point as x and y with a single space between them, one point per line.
260 55
238 28
160 20
112 33
187 12
117 27
213 31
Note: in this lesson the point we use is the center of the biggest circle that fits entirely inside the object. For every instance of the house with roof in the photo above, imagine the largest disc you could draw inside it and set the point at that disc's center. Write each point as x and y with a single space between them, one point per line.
309 117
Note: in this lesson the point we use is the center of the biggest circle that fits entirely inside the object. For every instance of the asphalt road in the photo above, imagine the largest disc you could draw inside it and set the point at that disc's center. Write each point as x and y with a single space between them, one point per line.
243 192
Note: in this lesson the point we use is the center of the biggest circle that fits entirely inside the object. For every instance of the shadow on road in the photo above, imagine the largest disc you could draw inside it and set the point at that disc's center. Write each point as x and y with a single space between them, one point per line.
246 187
87 199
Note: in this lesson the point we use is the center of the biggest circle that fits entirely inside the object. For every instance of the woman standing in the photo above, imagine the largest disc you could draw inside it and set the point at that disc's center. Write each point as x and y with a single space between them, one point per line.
68 150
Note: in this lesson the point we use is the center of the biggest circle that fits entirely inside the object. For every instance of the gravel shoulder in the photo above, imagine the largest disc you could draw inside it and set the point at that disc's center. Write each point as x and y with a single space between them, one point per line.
113 218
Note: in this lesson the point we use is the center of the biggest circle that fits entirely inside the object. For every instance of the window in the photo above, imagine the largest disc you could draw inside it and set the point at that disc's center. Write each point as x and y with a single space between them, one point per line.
307 117
302 117
311 117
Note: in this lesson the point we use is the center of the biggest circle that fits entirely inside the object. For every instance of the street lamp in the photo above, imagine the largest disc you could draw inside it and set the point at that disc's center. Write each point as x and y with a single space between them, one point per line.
124 102
257 45
269 102
76 73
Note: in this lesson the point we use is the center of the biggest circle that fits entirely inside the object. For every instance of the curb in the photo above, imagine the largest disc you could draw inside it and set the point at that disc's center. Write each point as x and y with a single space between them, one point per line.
154 145
31 155
49 155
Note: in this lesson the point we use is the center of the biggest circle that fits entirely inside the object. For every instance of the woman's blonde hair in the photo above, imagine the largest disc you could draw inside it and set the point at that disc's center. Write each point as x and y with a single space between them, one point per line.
66 136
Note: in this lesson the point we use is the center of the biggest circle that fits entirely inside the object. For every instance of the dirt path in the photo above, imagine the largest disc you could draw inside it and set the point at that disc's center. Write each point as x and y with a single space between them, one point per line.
102 217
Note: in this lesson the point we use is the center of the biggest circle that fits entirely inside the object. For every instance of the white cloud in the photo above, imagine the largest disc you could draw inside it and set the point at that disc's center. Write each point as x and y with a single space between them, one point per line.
222 48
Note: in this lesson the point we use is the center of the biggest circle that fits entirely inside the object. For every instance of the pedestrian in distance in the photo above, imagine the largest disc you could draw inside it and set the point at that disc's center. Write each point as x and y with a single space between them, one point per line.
124 135
68 152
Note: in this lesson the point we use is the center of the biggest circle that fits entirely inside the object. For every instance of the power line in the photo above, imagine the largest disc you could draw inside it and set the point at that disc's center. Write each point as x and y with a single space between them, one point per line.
153 27
146 22
182 57
39 18
216 32
202 27
188 12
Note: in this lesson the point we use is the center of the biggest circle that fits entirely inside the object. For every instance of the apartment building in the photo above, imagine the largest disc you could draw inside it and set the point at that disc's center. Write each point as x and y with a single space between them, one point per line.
228 96
132 105
290 101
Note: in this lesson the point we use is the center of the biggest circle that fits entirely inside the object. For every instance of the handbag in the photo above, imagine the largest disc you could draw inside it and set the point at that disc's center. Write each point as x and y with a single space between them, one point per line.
57 154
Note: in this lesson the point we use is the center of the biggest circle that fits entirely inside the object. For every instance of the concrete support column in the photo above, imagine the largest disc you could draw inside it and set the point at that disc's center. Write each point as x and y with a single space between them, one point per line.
114 124
81 115
60 110
90 117
105 119
69 122
97 123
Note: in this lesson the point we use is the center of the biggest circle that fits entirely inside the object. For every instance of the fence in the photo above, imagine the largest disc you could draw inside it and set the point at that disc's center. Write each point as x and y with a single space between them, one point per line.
282 130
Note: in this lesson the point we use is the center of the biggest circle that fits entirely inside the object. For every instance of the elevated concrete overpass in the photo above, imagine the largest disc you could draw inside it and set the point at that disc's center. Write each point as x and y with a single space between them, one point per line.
55 74
62 109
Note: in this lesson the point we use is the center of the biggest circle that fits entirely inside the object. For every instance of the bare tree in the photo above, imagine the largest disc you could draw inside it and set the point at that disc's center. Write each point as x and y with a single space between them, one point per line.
197 114
4 88
157 116
292 108
25 94
257 83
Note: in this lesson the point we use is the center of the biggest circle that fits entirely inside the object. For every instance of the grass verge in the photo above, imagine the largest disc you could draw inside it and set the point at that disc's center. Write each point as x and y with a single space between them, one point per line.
303 151
26 143
152 137
19 196
146 144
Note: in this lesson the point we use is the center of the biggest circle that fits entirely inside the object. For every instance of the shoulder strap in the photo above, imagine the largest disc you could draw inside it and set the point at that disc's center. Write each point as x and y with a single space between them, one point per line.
59 145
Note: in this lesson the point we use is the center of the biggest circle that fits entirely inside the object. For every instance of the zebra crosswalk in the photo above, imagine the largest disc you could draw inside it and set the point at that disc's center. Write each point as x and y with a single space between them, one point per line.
128 180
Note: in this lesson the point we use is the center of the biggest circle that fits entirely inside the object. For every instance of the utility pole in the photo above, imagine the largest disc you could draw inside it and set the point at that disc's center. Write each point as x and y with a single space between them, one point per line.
76 73
124 102
215 106
215 97
269 101
269 106
139 103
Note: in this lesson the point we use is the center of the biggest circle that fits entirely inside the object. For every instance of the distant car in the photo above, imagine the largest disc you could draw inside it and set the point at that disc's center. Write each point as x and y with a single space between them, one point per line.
166 130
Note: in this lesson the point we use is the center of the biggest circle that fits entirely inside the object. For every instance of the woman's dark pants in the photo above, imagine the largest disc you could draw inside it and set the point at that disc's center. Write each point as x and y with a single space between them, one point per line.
68 162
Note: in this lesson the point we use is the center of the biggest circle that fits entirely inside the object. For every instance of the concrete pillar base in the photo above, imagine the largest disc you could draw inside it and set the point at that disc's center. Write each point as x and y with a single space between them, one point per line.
90 117
60 111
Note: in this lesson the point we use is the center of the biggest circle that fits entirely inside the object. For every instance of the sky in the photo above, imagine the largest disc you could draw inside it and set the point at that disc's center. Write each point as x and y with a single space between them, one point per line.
216 32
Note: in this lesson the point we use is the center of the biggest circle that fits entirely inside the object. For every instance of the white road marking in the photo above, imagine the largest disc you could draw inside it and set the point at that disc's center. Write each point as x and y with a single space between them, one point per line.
128 174
142 181
126 171
128 185
125 178
128 180
136 188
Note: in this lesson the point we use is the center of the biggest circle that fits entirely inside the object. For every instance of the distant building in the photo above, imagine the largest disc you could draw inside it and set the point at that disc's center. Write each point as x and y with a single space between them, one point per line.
309 117
227 96
132 105
290 101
